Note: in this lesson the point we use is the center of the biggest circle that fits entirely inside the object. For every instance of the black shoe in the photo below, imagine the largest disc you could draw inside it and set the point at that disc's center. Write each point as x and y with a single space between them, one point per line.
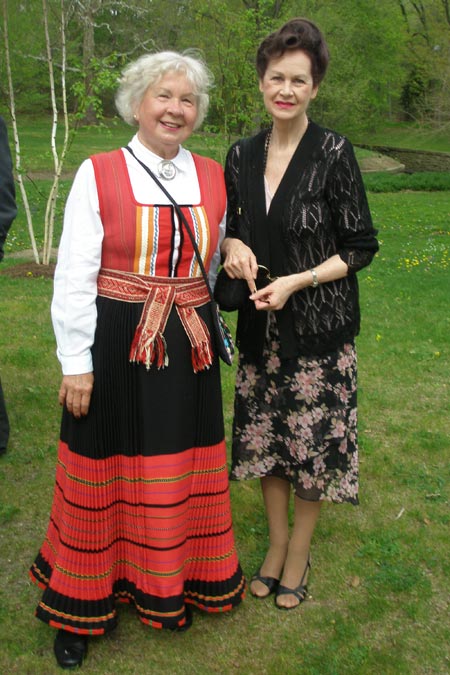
70 648
270 582
188 622
301 592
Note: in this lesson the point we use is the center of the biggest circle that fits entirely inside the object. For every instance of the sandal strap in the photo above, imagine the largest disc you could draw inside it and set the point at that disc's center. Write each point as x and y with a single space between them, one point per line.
270 582
300 592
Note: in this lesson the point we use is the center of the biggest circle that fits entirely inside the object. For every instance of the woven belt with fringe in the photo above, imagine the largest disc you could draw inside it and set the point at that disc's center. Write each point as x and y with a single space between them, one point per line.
159 294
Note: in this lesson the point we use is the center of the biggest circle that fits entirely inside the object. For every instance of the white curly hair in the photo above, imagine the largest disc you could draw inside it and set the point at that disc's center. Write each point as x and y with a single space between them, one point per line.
148 69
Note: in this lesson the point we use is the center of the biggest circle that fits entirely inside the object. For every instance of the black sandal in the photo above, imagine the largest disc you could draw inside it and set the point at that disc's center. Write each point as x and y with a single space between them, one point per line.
301 592
270 582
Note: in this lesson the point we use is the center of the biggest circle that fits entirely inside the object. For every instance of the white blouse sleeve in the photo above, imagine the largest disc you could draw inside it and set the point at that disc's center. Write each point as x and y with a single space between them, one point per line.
74 311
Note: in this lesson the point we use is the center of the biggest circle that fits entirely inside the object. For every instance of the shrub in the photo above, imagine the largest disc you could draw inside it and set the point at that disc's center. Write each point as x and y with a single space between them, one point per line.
421 181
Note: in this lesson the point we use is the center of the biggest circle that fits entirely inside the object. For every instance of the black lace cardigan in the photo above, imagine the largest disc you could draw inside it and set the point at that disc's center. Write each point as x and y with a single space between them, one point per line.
319 209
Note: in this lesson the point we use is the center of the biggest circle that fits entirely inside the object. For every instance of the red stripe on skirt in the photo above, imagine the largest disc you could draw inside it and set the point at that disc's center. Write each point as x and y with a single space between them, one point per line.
155 521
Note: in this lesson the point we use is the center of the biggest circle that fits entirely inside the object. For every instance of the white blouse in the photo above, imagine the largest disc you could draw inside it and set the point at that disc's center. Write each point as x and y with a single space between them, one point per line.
74 311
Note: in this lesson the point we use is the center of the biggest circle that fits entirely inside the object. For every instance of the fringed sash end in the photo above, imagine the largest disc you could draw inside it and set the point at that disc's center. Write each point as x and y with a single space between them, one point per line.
202 357
149 350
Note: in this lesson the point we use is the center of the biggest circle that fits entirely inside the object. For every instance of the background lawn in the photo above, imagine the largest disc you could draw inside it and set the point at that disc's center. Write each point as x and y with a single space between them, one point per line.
379 600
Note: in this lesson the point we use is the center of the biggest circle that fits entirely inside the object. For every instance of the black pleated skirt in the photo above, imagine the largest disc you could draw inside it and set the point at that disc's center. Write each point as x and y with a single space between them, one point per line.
141 510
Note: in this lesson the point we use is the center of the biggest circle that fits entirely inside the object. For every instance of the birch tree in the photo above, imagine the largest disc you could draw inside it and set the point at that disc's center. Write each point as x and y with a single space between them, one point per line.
58 157
18 156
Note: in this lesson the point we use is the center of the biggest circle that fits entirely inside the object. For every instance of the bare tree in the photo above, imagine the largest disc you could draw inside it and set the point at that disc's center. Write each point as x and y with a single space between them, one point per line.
58 159
12 106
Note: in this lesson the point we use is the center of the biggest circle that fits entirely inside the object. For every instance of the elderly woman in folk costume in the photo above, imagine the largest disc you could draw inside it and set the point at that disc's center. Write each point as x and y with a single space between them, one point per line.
141 508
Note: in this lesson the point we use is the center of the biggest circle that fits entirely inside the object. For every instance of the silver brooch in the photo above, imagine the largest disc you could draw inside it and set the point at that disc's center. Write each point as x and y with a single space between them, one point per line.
167 169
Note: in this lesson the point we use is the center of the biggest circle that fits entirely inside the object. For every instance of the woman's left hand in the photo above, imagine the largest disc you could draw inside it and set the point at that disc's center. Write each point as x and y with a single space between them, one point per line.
75 393
275 295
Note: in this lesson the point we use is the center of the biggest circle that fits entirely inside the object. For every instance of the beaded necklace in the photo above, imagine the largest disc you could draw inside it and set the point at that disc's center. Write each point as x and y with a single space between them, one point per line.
267 144
266 148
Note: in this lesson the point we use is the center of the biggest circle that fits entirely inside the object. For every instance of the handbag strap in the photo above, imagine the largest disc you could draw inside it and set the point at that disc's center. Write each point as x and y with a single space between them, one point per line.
181 217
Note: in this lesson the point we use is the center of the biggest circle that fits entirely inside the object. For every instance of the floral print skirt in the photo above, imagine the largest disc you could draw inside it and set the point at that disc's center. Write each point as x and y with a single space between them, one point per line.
296 419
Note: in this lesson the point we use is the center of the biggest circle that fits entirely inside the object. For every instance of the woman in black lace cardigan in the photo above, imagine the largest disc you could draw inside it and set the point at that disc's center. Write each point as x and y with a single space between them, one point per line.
298 215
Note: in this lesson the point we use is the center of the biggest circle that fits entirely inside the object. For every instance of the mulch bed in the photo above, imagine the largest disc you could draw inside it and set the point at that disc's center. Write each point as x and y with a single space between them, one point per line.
29 269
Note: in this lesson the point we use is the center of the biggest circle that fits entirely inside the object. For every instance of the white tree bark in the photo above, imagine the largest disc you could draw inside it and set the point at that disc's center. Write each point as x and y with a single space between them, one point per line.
58 159
18 164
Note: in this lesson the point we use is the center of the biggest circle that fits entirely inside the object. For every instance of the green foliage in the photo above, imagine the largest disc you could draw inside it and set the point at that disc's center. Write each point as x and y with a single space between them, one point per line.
103 73
425 93
228 37
27 55
413 92
359 91
430 181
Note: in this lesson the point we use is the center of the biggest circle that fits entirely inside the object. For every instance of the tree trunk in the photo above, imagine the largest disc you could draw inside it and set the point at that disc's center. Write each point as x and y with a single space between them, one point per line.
18 166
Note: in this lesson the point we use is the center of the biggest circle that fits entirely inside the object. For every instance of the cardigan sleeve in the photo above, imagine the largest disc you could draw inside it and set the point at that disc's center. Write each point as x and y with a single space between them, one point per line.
347 199
232 187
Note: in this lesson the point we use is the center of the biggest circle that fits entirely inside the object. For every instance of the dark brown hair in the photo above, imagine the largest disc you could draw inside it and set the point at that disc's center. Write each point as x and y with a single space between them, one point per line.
296 34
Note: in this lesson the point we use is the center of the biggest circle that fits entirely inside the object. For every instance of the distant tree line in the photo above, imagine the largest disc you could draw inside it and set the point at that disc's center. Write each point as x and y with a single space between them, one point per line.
390 58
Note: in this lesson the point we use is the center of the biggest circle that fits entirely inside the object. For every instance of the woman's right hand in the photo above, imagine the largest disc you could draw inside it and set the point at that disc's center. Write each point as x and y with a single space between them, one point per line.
75 393
239 261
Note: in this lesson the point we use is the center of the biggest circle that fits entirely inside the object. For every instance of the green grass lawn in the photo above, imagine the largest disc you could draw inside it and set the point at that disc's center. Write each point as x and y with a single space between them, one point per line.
379 582
407 135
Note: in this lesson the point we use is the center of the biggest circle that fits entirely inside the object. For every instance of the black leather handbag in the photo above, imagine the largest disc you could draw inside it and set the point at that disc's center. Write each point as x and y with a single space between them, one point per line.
230 294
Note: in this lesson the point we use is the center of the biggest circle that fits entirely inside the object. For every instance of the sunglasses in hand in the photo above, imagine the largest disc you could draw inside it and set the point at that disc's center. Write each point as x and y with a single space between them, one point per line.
263 277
